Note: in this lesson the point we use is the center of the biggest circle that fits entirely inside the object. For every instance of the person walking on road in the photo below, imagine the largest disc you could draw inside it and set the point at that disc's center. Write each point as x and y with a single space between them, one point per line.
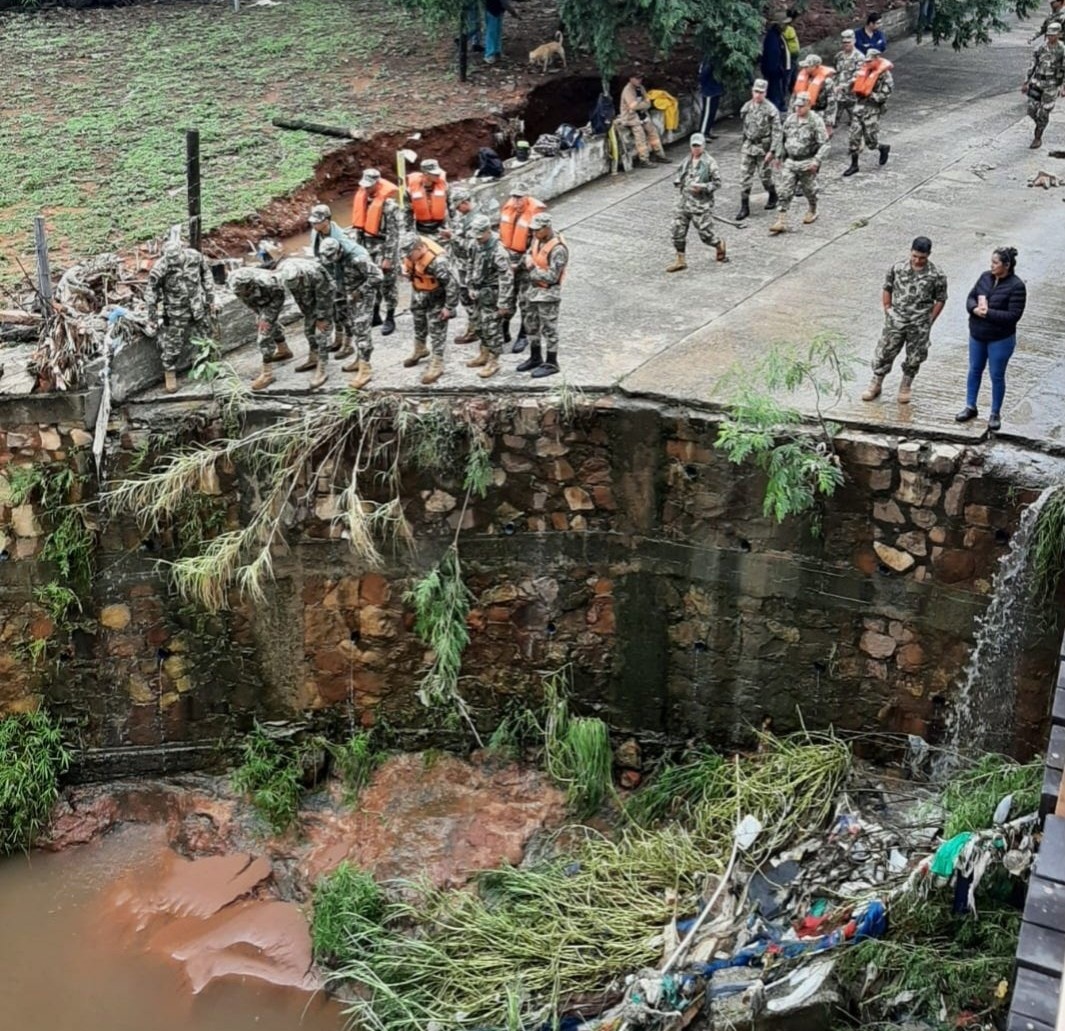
815 80
871 88
803 148
697 179
1044 81
914 294
434 300
760 125
1054 16
636 117
848 61
546 261
711 92
776 63
995 305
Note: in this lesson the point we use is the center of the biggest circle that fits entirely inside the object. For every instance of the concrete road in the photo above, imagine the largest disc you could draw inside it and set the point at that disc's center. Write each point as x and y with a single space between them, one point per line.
957 173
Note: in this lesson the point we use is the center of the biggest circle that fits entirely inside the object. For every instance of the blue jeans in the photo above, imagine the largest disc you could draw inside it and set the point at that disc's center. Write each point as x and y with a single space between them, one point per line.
996 355
493 35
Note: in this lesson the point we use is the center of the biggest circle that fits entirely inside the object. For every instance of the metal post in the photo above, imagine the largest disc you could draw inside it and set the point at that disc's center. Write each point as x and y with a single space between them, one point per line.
464 43
44 268
192 180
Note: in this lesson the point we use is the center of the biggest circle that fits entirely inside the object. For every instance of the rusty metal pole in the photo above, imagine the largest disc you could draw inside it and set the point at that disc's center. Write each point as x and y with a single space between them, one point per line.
192 183
44 267
464 43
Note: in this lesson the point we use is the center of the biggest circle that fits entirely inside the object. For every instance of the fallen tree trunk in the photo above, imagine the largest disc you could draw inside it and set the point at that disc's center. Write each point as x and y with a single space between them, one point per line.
304 125
17 317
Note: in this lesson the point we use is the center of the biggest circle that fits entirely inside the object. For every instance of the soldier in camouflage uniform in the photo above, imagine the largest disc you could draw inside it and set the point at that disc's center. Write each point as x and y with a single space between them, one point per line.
913 296
461 244
491 286
803 148
848 61
313 290
761 139
383 246
865 125
1043 83
262 291
697 179
825 104
434 300
1054 16
180 284
546 261
356 280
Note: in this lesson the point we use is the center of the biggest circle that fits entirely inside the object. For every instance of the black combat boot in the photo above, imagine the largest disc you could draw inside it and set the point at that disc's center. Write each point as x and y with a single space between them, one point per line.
771 200
884 149
549 367
505 323
376 321
534 361
745 206
853 165
521 341
389 325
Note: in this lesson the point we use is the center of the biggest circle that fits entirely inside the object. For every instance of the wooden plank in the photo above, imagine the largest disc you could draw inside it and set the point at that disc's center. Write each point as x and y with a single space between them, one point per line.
1050 862
1036 996
1045 904
1041 948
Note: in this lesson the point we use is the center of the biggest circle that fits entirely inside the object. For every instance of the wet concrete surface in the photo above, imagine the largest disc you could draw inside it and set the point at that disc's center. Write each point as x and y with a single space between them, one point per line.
957 173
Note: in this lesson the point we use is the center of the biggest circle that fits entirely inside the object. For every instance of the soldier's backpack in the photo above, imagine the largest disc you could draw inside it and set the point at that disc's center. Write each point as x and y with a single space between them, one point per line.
569 137
602 114
489 165
548 145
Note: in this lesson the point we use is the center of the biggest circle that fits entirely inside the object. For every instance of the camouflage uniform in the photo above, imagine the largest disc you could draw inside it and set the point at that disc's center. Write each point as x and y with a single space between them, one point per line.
356 280
847 66
1045 77
462 245
865 125
262 291
908 322
698 179
385 248
761 136
181 283
426 305
491 284
545 297
1054 16
313 289
804 141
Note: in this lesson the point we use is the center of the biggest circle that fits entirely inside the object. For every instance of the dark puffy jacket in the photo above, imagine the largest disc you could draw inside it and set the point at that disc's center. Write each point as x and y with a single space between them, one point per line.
1006 299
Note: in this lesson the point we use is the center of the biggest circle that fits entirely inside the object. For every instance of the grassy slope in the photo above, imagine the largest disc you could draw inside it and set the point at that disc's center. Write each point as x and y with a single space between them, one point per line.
94 107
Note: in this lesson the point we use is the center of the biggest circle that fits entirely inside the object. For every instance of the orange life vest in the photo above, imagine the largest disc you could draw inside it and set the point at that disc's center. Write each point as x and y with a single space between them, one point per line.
866 76
541 253
514 218
428 206
811 81
416 269
366 213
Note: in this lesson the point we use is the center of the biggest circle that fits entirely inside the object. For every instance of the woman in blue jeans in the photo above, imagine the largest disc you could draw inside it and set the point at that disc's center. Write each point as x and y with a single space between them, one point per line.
995 306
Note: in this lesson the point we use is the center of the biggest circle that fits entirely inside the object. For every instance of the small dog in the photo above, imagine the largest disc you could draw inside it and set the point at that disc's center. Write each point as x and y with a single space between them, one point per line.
544 54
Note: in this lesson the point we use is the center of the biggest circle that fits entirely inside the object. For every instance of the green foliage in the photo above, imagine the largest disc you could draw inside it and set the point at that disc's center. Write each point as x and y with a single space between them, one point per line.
800 466
269 774
348 909
577 753
355 760
58 602
1048 546
207 365
679 788
972 795
479 471
32 758
518 730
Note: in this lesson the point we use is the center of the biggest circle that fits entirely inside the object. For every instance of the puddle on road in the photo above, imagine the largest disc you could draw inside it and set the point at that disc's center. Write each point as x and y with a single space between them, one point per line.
72 957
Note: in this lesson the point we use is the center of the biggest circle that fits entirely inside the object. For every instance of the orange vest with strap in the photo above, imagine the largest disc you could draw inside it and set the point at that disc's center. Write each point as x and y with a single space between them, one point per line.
866 77
541 253
514 218
812 80
428 205
416 269
366 213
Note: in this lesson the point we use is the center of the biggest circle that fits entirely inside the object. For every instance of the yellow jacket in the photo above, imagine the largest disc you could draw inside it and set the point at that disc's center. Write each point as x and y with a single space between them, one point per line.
668 105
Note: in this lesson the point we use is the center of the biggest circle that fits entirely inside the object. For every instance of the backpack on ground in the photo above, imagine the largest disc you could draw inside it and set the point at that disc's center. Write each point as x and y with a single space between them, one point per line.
489 165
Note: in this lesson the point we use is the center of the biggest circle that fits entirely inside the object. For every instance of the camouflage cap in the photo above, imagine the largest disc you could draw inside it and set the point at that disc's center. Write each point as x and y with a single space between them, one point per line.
871 53
1054 29
760 86
802 98
370 177
810 61
697 139
290 271
240 276
520 189
847 35
480 224
330 249
430 166
540 220
409 243
319 213
460 194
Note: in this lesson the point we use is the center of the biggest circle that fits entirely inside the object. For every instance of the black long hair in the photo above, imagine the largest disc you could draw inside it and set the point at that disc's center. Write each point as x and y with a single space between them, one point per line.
1008 257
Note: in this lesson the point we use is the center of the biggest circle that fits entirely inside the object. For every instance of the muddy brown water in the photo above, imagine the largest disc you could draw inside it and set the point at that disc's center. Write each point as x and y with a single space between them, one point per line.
123 935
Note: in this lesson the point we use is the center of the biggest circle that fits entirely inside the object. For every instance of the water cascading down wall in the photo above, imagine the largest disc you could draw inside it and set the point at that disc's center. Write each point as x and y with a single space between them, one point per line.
614 538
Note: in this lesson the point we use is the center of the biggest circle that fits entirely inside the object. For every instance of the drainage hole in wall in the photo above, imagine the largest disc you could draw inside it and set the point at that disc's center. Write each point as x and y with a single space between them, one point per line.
551 629
509 529
1002 536
148 544
820 667
4 555
354 636
163 653
691 471
745 545
883 570
699 647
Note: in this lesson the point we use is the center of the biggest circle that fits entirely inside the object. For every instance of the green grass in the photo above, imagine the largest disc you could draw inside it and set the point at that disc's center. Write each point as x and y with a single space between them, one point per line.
269 774
348 908
95 106
32 757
